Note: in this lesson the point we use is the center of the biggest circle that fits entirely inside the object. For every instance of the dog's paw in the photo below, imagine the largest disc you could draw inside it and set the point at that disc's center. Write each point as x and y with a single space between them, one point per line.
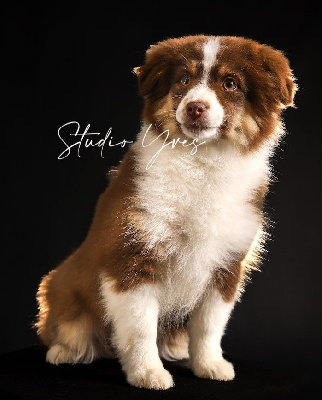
220 370
156 378
58 354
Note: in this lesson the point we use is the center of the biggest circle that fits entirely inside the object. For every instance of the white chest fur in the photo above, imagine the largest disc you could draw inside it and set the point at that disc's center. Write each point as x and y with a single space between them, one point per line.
199 206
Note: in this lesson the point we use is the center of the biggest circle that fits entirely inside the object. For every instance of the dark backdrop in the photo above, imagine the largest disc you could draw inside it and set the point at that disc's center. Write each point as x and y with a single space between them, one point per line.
64 64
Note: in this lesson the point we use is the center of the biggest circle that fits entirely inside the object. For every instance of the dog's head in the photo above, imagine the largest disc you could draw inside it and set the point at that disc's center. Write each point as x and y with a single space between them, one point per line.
216 88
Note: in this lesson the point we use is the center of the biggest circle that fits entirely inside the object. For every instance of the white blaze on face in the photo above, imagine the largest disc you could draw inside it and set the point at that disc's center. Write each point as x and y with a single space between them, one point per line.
202 93
210 54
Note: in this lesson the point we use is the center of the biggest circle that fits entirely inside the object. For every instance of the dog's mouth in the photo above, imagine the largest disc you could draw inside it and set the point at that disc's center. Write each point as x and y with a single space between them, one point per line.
199 130
197 127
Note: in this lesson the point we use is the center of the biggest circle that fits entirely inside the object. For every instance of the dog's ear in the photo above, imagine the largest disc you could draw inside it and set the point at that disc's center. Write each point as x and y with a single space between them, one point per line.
277 67
153 75
271 81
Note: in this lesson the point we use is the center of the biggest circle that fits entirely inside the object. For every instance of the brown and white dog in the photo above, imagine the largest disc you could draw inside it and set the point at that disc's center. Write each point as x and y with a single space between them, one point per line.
180 225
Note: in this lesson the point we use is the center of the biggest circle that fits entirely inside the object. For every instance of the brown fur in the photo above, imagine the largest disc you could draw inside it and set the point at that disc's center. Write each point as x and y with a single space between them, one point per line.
227 281
72 290
176 342
156 77
115 245
259 196
265 82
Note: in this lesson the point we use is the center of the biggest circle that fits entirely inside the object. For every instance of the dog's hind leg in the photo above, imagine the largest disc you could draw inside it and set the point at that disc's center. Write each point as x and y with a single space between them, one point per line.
174 344
74 343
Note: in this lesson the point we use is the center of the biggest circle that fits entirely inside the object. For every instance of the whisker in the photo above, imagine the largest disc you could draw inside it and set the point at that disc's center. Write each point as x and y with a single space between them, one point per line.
169 114
164 118
170 110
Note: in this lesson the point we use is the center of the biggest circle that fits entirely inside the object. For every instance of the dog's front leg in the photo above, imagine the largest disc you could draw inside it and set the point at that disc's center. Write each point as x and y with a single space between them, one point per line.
134 315
206 327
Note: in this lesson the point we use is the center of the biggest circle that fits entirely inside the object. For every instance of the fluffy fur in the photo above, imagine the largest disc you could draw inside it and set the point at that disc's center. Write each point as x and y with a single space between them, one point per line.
180 226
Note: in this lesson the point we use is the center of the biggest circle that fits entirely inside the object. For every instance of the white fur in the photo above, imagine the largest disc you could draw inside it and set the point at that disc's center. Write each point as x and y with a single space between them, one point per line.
203 217
215 114
206 327
134 315
202 93
210 50
78 347
203 214
197 207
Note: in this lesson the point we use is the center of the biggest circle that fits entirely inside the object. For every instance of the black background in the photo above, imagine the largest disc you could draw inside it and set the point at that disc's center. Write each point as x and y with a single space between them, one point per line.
64 64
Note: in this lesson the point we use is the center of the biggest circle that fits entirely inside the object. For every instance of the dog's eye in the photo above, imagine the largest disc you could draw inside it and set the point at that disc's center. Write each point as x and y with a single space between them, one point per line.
229 84
185 80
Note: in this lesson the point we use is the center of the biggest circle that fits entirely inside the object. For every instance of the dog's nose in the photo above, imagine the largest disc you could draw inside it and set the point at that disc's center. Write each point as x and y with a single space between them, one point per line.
195 109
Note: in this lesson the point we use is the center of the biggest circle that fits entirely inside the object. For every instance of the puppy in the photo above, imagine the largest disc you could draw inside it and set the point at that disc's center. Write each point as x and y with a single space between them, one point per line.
180 227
